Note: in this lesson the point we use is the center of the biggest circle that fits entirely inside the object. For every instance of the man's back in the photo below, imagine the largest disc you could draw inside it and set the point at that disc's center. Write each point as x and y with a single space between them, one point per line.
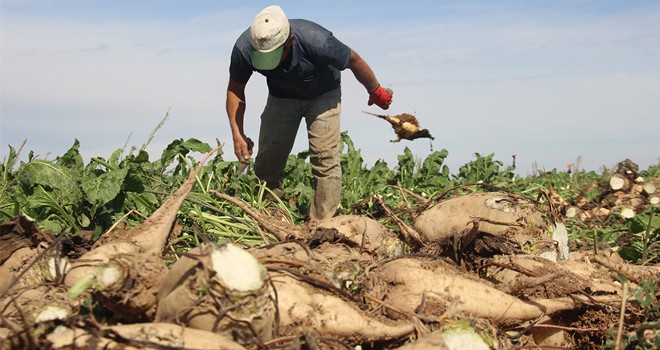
311 69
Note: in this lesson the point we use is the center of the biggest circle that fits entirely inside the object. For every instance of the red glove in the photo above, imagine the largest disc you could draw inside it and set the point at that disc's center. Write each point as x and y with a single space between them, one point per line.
381 97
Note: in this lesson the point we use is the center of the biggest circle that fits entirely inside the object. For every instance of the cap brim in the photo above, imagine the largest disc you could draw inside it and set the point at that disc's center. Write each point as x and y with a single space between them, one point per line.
267 60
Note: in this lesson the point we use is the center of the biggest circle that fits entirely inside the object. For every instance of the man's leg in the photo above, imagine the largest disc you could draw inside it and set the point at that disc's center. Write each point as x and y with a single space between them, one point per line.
279 125
322 118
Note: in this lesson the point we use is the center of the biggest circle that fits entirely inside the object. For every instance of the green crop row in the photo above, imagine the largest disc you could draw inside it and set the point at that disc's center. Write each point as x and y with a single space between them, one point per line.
67 194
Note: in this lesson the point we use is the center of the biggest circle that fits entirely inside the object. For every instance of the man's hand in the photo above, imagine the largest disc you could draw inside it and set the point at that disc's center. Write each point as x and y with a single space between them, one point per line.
381 97
243 148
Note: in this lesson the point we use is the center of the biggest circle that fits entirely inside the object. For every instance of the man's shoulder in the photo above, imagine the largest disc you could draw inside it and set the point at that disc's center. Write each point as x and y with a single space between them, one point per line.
307 30
305 24
243 40
240 68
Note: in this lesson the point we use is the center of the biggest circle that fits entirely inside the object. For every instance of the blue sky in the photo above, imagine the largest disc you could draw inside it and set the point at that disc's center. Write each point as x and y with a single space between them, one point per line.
549 81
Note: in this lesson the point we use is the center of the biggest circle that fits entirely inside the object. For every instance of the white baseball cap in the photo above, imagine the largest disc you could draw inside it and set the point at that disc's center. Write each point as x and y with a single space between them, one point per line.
269 32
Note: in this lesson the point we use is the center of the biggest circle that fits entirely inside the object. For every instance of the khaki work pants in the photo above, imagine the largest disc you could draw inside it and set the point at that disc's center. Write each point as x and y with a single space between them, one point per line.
279 125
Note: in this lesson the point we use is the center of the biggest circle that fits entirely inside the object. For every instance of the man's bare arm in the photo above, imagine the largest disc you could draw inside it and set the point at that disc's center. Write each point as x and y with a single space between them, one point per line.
363 72
236 112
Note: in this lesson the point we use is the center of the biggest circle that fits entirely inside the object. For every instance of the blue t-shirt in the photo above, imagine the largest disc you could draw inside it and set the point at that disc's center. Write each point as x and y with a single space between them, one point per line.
312 68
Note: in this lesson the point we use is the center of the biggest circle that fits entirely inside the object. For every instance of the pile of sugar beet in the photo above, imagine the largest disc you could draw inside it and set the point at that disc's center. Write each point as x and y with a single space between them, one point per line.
477 271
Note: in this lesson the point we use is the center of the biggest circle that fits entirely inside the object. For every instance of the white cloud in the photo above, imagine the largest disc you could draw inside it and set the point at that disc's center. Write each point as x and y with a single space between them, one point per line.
547 88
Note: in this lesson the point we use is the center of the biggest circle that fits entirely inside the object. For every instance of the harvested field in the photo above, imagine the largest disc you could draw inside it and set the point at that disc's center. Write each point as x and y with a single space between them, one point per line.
470 267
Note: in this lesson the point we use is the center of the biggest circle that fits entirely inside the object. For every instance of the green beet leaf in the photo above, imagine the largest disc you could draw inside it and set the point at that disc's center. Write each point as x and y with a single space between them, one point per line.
101 190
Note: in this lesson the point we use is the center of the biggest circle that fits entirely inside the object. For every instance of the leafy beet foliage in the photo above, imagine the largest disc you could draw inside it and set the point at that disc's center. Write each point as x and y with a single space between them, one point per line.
67 194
